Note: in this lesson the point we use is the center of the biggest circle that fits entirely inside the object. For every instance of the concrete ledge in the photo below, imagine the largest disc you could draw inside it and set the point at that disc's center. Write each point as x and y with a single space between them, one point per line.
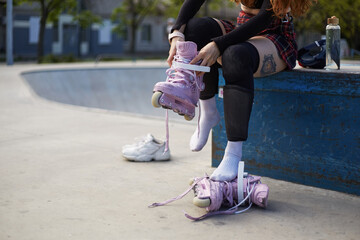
304 128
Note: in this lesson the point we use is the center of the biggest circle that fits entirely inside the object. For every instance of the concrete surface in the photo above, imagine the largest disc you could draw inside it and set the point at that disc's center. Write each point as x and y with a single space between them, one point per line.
62 177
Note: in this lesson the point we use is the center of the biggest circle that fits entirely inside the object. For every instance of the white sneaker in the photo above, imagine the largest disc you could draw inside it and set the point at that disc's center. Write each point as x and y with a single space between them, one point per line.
145 150
138 141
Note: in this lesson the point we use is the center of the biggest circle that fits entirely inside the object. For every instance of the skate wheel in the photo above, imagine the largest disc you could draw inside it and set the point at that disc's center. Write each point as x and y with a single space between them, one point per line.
188 118
191 181
155 99
201 202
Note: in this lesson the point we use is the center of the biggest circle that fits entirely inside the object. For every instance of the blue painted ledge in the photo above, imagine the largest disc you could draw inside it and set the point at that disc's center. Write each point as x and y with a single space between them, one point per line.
304 128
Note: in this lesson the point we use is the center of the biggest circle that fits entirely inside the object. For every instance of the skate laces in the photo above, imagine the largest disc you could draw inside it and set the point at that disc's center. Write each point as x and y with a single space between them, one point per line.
140 141
180 196
182 75
167 131
222 194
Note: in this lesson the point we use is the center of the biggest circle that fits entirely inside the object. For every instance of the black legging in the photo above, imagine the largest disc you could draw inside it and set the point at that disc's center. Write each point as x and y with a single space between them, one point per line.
239 62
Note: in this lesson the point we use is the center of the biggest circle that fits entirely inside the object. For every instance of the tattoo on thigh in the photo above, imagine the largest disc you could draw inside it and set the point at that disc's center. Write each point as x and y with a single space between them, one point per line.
269 65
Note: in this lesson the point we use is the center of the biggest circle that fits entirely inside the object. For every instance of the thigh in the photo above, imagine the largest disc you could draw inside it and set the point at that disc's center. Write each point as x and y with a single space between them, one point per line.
270 61
202 30
211 79
221 26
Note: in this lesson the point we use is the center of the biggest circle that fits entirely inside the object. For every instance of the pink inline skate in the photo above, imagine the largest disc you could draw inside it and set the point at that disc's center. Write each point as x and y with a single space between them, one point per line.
181 90
213 195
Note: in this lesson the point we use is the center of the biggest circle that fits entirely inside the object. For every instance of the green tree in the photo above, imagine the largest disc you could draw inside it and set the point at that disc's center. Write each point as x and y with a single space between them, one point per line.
50 11
132 13
216 5
348 11
85 18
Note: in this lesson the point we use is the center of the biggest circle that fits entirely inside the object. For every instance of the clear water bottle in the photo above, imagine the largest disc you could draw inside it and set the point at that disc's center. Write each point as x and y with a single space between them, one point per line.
333 43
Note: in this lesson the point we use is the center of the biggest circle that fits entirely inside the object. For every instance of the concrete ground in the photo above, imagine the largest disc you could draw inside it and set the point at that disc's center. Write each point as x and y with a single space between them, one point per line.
62 176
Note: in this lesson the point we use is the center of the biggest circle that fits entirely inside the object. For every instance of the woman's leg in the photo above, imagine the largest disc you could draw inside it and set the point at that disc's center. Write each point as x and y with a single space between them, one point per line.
270 62
201 31
240 63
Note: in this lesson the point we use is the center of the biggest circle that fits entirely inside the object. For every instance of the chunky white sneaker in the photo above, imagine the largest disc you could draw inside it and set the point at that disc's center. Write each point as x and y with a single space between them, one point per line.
138 141
147 149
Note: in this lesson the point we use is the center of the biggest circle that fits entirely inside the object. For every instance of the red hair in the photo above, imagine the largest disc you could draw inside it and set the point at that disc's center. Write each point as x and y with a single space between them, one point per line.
280 7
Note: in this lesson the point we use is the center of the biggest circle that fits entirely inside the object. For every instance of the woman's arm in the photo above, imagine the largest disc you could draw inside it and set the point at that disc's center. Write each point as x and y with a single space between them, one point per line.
249 29
187 11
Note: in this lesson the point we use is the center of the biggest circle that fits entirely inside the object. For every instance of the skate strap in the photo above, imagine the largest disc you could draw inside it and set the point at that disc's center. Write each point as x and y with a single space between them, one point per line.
180 196
192 67
240 184
249 192
209 214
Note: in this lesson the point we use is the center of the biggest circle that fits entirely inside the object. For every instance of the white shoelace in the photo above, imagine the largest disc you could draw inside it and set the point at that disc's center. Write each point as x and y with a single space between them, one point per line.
139 141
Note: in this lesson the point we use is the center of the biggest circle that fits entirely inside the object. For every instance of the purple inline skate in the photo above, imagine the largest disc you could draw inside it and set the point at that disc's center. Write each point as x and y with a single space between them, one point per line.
181 90
213 195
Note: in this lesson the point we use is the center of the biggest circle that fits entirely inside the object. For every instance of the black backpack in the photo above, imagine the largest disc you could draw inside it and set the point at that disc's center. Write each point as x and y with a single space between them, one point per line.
313 55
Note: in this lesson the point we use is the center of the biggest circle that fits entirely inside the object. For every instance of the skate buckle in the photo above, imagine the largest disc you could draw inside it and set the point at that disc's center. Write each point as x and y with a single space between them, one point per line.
240 184
190 67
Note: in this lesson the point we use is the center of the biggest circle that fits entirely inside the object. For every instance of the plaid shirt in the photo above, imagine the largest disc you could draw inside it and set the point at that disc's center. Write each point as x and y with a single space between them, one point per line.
280 32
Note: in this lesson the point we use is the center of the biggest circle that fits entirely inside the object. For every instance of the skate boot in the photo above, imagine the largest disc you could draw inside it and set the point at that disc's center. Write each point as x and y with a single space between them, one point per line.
245 188
181 90
212 195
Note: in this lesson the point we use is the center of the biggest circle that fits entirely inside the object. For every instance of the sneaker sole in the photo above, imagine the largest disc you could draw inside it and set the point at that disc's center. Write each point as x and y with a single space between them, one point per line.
144 158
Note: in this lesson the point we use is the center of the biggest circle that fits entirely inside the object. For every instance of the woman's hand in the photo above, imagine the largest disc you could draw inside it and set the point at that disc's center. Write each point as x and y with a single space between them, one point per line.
172 50
208 54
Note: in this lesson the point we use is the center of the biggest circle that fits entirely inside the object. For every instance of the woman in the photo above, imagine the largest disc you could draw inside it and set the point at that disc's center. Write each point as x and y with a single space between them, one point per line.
263 43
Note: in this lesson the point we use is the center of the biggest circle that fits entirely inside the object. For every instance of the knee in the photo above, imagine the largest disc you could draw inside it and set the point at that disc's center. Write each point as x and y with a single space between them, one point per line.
238 58
202 30
239 62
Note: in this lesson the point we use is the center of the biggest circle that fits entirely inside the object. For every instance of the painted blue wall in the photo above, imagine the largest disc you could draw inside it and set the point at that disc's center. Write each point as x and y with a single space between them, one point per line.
22 47
114 48
304 128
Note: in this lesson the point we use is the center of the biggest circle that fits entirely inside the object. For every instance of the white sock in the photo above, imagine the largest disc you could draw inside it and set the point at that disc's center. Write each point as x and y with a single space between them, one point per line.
209 118
228 168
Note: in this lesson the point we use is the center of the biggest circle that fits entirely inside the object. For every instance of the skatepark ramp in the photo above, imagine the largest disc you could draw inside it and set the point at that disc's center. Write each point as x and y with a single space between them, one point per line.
124 89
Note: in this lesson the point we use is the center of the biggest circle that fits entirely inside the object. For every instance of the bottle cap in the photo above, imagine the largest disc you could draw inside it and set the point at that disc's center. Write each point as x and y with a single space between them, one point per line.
333 20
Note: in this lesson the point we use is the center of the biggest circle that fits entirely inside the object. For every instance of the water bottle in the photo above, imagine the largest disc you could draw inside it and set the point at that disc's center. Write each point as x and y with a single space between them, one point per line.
333 43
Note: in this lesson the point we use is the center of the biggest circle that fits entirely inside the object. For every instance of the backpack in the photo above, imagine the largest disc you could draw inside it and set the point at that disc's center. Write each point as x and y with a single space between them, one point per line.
313 55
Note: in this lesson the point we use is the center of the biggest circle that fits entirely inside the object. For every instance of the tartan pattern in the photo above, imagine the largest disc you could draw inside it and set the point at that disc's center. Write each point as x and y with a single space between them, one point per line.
229 26
280 32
